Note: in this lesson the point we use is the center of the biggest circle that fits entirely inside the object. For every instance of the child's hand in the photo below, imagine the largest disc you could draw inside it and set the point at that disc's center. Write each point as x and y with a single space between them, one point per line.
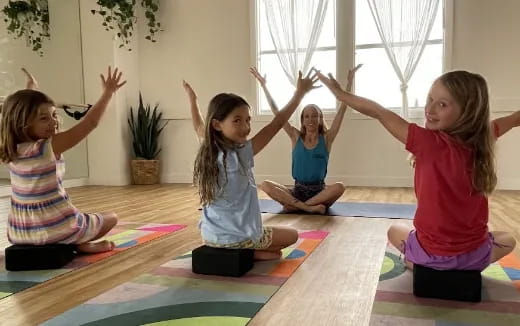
191 93
31 81
330 82
350 78
261 79
111 83
304 85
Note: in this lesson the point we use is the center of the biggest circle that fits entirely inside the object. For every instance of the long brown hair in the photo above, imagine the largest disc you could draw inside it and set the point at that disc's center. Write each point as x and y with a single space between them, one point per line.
322 127
470 91
18 110
206 171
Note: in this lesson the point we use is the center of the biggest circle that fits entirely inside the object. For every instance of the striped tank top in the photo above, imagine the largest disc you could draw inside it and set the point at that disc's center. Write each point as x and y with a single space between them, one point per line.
41 211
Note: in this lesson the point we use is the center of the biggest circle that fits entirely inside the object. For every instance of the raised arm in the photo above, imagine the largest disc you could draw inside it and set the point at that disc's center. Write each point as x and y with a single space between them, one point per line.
287 127
65 140
396 125
264 136
32 83
338 119
505 124
196 116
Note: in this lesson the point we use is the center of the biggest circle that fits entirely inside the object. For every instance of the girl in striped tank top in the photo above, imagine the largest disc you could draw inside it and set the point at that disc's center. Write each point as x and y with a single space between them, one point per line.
30 143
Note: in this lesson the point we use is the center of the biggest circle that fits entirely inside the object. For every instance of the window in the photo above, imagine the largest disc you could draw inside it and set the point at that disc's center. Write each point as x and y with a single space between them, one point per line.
267 62
377 79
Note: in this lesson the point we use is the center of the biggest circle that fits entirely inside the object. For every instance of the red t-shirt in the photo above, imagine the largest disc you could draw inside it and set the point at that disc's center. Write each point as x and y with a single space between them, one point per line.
451 215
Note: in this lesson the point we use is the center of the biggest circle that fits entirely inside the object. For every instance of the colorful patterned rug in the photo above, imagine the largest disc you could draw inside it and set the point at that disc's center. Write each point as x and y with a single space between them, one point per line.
395 304
172 295
125 235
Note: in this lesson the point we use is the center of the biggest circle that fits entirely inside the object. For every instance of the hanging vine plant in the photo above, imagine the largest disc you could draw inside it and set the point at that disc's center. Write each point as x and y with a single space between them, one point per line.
119 17
150 9
29 19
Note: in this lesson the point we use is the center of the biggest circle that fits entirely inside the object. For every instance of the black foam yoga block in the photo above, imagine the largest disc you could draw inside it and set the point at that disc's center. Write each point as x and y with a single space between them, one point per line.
29 257
460 285
222 261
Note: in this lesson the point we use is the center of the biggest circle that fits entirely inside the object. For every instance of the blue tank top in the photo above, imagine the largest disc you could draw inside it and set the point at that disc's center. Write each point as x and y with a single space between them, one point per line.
310 165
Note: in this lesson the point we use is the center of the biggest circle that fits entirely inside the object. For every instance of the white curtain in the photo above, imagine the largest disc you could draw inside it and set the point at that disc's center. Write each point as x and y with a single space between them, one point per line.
404 27
295 26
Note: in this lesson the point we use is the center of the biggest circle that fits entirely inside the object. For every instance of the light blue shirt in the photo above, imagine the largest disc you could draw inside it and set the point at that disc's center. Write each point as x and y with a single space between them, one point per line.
234 215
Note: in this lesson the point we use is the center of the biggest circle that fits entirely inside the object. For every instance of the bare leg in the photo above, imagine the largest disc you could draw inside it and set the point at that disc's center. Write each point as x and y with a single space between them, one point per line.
397 235
282 195
109 221
328 195
282 237
505 243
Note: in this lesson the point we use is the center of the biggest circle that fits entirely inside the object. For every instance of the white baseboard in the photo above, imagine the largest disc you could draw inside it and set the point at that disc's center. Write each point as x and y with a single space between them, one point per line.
348 180
177 178
509 184
71 183
288 180
5 191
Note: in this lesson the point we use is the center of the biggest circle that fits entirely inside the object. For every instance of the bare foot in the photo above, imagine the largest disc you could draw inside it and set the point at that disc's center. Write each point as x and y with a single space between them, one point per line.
318 209
289 209
96 247
267 255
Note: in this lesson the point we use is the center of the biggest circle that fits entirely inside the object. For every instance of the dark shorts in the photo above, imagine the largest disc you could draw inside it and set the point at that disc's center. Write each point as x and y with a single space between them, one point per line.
304 191
477 259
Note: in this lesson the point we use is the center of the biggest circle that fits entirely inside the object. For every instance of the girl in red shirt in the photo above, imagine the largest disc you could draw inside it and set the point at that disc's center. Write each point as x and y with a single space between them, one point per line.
454 173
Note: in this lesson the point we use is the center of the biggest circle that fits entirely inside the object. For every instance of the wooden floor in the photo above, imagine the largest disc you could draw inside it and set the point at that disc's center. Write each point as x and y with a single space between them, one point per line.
335 285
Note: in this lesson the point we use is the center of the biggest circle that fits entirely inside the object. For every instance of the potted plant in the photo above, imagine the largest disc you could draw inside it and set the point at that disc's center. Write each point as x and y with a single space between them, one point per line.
146 127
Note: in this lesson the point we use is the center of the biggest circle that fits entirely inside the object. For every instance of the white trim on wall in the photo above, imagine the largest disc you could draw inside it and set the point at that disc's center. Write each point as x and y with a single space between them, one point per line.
348 180
448 35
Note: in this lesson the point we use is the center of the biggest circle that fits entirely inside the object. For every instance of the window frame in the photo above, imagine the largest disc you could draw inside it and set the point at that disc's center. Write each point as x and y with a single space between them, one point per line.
345 55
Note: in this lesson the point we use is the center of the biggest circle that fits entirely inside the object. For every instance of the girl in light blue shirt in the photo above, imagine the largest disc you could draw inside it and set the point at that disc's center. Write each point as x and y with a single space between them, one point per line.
223 173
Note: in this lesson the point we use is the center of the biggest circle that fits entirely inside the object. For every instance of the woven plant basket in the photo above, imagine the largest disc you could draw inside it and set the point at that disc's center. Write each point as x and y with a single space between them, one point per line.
145 172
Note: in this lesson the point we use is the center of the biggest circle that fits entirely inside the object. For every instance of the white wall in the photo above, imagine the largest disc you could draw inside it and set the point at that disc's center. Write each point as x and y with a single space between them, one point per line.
108 144
59 71
486 40
209 43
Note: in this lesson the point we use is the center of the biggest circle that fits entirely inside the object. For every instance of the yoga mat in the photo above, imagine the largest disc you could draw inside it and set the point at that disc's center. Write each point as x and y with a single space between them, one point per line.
405 211
125 235
394 303
172 295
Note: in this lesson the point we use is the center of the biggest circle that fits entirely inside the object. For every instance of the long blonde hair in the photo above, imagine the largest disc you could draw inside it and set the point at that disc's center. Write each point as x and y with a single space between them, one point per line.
470 91
206 171
322 127
18 110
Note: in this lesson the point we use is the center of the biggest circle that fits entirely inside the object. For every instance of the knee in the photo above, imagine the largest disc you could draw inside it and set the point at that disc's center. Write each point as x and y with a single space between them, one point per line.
511 242
505 239
286 236
340 187
265 186
390 233
110 219
292 237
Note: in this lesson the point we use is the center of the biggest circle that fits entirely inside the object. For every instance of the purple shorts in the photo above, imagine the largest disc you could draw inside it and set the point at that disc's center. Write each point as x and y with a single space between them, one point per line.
477 259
